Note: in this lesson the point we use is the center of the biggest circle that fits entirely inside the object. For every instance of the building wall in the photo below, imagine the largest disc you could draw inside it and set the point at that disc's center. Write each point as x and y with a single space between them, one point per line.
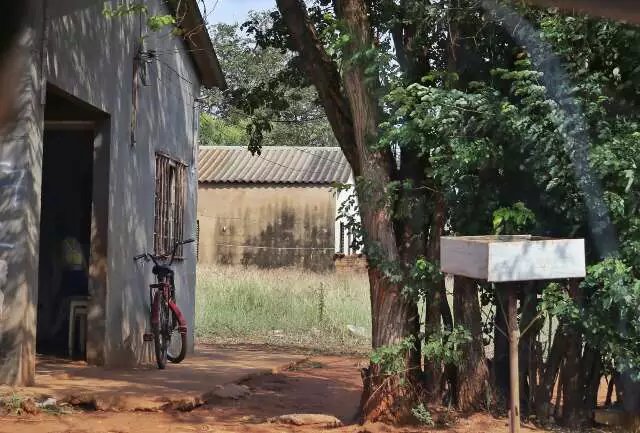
268 226
347 215
72 45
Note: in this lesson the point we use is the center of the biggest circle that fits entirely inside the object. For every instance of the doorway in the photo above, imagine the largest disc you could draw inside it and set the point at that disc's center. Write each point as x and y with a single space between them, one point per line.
66 222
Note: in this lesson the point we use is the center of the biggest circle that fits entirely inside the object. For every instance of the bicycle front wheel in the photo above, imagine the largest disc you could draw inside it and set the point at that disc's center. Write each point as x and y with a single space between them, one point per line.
177 348
161 329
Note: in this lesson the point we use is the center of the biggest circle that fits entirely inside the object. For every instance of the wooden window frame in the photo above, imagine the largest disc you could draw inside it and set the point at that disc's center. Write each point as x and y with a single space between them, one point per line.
170 201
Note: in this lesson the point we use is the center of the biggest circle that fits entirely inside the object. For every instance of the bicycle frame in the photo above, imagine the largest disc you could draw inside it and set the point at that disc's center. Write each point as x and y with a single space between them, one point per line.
166 289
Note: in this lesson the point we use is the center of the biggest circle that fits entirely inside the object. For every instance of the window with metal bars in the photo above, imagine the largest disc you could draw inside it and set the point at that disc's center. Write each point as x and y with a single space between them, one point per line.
169 204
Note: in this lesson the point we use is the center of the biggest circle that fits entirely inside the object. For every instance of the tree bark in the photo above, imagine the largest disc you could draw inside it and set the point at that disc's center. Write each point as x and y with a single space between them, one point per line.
590 378
353 118
573 392
607 401
433 373
473 374
318 66
528 369
501 342
544 393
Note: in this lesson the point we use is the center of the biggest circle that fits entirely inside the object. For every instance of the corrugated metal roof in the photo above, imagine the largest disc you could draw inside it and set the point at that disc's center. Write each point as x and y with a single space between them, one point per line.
276 164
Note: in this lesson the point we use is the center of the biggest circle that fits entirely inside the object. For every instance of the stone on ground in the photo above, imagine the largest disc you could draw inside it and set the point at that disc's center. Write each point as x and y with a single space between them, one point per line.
300 419
230 391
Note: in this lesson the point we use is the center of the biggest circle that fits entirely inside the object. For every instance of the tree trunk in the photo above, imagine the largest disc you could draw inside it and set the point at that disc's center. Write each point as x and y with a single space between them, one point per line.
527 355
352 112
473 374
550 376
394 316
573 392
590 378
501 342
433 373
607 401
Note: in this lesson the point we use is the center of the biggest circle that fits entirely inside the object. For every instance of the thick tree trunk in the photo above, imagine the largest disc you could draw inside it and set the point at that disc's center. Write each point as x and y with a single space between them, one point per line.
394 317
473 374
352 113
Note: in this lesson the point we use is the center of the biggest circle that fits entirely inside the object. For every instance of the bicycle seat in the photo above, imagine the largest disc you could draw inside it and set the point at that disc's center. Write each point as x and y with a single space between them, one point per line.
161 270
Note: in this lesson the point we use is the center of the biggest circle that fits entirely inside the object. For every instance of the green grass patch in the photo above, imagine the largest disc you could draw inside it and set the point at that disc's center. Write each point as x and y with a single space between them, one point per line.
284 306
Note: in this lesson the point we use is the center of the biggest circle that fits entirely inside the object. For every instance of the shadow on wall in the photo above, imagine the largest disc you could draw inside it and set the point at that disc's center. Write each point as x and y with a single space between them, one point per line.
278 246
104 78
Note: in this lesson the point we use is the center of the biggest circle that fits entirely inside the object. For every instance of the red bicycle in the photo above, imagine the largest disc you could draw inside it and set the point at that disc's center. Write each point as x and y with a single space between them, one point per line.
168 325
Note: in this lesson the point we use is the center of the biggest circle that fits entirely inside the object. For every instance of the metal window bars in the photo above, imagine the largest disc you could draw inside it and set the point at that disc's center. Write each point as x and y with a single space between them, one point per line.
170 198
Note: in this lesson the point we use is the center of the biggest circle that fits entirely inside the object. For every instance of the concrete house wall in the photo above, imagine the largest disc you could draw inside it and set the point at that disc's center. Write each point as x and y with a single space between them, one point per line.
71 45
268 225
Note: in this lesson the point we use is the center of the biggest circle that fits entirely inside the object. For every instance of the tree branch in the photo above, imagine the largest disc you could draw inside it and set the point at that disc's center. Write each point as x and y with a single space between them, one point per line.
323 73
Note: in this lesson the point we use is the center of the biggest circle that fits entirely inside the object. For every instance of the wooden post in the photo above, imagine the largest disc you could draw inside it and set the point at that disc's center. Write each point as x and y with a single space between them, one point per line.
514 382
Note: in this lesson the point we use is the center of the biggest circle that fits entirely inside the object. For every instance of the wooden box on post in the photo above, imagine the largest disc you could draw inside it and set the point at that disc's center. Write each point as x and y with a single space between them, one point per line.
499 259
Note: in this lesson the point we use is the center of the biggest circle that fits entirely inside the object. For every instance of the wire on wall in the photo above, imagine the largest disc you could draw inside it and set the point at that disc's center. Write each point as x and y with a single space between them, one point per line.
260 247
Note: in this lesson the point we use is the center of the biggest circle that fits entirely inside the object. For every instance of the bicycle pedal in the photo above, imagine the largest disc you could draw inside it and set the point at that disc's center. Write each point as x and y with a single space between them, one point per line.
147 336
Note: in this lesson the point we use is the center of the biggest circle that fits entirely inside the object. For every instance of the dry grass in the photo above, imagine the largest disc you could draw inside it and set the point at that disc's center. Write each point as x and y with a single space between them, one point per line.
284 307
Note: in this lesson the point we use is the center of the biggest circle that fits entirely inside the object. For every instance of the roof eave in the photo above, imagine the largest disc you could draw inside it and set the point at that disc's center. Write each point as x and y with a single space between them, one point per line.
196 37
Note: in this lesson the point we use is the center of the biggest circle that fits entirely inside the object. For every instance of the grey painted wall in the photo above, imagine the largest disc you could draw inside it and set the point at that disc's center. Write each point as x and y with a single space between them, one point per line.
91 57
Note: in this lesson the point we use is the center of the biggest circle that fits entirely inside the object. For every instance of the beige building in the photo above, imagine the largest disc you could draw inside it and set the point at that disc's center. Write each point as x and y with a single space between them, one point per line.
271 210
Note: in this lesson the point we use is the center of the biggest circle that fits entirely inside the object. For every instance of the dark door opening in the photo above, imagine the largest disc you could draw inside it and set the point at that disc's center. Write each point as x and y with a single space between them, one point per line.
65 240
70 238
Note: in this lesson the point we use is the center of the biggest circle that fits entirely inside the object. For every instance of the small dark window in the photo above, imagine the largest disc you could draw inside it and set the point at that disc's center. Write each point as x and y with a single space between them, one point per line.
169 204
341 248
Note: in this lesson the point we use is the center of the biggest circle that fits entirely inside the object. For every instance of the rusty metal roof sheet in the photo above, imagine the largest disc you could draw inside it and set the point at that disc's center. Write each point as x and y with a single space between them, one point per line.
276 164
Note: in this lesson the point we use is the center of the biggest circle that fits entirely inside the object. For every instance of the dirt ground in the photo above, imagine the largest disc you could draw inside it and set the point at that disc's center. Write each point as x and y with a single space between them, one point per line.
317 385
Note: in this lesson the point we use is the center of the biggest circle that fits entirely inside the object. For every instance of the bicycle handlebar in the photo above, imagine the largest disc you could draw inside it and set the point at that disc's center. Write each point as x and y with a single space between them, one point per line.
154 258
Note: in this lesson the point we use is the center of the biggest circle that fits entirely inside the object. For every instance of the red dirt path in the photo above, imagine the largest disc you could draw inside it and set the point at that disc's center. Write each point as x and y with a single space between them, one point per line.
325 385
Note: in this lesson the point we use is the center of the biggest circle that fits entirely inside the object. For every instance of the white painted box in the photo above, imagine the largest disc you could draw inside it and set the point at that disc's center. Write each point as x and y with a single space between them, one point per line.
512 258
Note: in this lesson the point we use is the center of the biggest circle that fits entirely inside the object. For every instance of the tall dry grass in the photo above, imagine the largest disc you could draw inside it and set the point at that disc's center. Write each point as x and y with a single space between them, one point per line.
283 306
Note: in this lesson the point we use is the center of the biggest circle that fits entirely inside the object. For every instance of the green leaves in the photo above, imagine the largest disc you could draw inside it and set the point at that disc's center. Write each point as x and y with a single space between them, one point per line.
124 10
607 315
447 346
392 359
158 22
268 97
155 23
516 219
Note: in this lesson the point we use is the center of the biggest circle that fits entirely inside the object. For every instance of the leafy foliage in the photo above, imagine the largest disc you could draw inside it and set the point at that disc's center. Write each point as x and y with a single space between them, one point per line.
499 135
273 106
512 220
391 359
612 292
154 22
422 415
447 346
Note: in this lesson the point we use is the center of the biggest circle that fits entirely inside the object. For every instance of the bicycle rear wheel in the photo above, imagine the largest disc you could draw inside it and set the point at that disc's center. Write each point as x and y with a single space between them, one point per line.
161 329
